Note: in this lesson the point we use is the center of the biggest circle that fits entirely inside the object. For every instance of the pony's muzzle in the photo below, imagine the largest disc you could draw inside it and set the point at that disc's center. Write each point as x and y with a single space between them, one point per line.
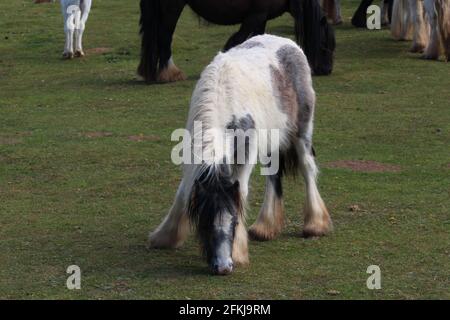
222 269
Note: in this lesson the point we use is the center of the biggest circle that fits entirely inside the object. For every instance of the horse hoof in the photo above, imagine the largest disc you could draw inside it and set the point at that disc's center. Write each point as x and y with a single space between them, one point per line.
67 55
171 74
417 49
430 57
79 54
258 233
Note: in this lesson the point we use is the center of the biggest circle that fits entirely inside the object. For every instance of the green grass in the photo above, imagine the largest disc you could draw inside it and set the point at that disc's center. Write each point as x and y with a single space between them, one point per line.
68 199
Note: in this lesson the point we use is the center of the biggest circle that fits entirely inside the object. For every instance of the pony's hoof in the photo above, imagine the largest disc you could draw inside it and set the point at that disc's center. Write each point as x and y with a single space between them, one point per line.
260 233
417 48
312 230
430 57
79 54
67 55
171 75
162 241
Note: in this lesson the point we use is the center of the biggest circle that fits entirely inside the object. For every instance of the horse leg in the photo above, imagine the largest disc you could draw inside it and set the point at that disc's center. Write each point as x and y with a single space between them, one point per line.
443 14
80 26
385 13
317 221
168 71
420 27
240 244
337 12
359 19
174 229
433 48
69 27
252 25
270 220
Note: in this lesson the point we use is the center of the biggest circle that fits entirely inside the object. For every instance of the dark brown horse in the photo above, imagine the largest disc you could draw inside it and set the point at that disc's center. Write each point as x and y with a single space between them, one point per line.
159 19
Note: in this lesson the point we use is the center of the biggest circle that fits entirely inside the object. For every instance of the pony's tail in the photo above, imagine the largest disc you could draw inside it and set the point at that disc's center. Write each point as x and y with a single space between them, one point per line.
213 193
149 22
308 15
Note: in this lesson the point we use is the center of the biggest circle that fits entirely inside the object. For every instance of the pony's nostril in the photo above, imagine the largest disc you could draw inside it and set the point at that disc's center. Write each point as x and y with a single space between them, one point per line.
222 270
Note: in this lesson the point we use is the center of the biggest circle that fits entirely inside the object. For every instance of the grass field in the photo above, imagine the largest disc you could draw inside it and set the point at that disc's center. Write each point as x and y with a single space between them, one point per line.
85 169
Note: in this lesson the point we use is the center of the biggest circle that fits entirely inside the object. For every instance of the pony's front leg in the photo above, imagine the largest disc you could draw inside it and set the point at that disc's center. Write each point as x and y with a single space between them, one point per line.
317 219
240 243
432 50
420 27
270 220
174 229
69 28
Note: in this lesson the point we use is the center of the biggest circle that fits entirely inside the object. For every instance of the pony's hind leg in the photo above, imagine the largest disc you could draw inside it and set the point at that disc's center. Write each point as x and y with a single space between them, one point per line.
270 220
167 70
80 26
317 219
172 232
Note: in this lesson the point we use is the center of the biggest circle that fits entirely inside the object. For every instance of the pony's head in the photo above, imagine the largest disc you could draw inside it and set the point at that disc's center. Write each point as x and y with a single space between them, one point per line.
314 34
325 55
214 208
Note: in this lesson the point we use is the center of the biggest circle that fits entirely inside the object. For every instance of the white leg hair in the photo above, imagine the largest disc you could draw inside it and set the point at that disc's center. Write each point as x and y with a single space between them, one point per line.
433 48
174 229
401 24
69 28
420 26
317 219
80 26
240 244
270 220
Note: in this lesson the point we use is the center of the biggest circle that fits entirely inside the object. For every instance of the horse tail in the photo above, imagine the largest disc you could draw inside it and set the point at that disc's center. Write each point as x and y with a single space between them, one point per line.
308 16
149 22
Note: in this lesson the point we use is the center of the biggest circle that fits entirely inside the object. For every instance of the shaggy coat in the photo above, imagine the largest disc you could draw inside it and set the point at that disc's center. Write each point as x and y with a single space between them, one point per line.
263 84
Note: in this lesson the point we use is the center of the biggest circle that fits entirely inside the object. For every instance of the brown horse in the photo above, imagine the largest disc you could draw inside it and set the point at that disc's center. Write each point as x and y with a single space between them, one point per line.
159 19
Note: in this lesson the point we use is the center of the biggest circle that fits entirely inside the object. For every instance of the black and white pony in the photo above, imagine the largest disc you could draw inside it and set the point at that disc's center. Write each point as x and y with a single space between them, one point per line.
75 13
159 19
263 84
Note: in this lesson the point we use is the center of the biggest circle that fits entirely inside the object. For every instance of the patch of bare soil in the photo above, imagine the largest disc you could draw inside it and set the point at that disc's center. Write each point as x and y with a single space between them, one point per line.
364 166
100 50
7 141
98 134
141 138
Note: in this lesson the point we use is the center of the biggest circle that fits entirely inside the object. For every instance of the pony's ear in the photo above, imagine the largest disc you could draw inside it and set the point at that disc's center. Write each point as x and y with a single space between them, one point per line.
323 21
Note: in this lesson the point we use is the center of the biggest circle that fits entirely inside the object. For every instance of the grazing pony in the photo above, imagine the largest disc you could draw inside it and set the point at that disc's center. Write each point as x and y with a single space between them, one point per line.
263 84
427 23
75 13
159 19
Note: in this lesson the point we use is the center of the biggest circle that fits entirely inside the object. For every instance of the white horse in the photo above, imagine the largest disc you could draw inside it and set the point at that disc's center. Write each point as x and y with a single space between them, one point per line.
263 84
75 13
426 22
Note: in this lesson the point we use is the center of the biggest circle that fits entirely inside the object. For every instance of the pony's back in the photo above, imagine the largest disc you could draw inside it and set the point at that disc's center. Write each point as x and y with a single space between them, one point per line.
266 80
